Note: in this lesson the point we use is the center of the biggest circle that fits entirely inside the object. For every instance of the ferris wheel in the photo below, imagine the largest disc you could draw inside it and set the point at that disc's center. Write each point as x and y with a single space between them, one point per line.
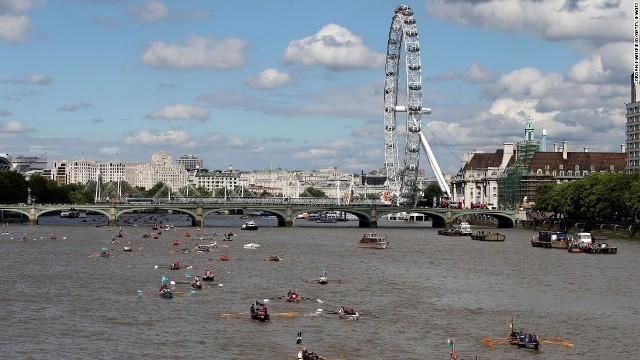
403 106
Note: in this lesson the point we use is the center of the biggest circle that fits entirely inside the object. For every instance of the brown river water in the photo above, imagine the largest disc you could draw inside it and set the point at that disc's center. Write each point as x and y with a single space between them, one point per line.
61 301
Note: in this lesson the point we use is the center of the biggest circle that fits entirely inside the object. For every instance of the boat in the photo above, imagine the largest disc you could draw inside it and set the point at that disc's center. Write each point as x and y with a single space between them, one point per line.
224 257
251 246
176 242
600 246
197 283
328 217
208 276
175 266
104 254
464 228
127 247
72 213
274 258
449 232
165 291
372 240
522 339
305 354
551 239
259 312
348 313
203 247
249 225
292 296
323 279
487 236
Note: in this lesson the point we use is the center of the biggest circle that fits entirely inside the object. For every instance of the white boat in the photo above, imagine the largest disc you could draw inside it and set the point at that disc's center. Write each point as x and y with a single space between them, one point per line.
372 240
348 314
206 247
464 228
323 280
251 246
328 217
249 225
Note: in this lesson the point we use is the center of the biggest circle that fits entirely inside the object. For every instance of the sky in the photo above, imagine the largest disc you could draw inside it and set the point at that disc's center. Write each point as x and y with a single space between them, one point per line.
298 84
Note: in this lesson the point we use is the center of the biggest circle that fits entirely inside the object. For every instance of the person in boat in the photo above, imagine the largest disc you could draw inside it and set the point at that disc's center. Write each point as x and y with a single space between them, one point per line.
253 308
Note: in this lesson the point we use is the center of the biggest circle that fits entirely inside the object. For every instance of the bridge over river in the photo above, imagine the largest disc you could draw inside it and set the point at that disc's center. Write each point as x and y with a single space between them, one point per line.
285 210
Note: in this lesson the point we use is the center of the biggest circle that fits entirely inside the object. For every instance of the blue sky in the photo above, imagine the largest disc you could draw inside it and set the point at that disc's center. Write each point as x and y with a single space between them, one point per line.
298 84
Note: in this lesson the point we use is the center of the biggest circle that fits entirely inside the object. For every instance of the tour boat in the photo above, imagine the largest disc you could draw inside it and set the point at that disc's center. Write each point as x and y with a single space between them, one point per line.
371 240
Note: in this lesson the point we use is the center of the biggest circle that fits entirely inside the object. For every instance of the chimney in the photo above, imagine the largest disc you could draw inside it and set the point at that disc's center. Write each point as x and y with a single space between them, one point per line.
564 149
555 147
623 148
586 149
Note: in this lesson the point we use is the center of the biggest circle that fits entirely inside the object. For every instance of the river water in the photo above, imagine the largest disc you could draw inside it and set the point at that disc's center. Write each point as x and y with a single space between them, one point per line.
60 300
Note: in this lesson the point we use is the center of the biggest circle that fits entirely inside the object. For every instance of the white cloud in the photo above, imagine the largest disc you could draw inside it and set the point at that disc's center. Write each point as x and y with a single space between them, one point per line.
109 150
477 75
151 11
19 6
595 20
75 106
269 79
335 48
155 137
198 52
33 79
13 27
14 127
181 112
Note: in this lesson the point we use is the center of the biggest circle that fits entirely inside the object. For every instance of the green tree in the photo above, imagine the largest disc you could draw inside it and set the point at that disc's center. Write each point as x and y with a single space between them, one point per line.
14 188
313 192
430 192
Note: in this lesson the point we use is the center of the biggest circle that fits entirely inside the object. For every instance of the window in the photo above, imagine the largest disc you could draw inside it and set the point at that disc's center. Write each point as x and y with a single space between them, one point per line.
561 167
577 168
593 167
569 173
539 172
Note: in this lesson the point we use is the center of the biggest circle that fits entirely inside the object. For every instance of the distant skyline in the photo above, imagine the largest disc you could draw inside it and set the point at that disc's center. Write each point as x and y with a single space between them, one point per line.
298 84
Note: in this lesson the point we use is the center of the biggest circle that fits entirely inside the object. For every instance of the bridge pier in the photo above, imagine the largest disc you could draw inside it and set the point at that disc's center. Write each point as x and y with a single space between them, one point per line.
33 220
112 215
199 220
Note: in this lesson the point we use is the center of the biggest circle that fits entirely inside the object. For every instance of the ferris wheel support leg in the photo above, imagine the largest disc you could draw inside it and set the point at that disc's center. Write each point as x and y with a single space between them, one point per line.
434 166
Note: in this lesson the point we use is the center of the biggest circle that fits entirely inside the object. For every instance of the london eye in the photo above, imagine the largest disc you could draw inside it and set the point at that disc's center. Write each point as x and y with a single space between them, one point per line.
403 107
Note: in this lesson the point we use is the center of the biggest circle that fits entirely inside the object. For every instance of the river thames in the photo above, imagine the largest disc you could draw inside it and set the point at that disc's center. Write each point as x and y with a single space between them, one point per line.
60 300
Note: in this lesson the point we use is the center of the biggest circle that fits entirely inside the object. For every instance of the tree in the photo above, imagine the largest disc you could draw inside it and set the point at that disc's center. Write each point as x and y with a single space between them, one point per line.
313 192
14 188
430 192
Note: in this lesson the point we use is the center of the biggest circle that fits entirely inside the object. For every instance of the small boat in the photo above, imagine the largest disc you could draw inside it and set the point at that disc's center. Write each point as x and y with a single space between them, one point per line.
259 312
323 279
487 236
249 225
208 276
371 240
165 292
202 248
197 283
186 234
224 257
522 339
127 247
600 246
292 296
464 228
185 249
176 242
104 254
274 258
449 232
305 354
251 246
175 266
348 313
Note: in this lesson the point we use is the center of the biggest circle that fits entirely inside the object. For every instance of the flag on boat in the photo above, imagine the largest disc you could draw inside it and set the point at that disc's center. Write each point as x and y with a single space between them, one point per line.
510 322
258 303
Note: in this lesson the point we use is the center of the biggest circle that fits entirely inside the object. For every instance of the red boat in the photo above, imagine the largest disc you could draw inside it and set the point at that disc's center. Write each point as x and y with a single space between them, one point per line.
175 266
186 234
224 257
176 242
292 296
274 258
